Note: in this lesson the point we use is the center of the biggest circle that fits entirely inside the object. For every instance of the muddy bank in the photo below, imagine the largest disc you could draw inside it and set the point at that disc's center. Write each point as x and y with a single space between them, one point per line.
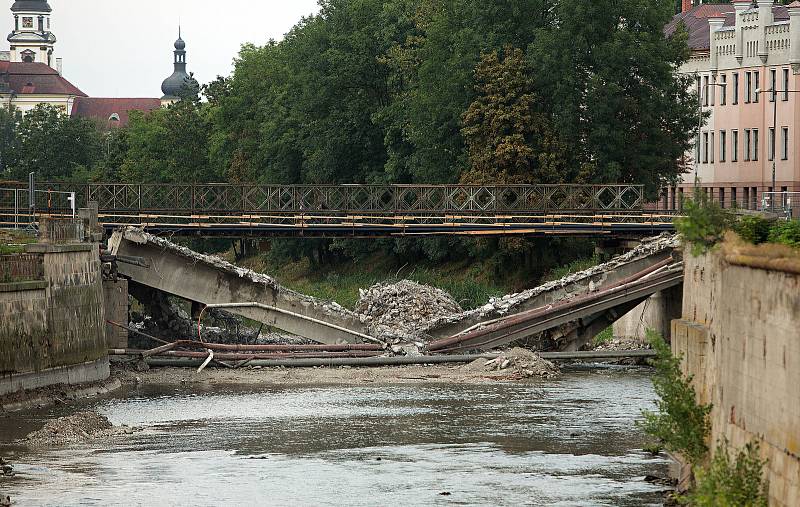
56 395
345 376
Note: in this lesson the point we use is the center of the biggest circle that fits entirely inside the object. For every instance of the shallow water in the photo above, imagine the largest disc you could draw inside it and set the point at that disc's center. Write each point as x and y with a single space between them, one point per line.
570 441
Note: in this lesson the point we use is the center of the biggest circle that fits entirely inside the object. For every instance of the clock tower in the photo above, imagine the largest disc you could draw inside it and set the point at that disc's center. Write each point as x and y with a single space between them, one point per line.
32 41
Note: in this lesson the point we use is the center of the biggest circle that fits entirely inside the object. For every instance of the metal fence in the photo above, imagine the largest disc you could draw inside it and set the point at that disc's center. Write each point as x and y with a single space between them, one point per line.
21 268
786 204
18 210
241 199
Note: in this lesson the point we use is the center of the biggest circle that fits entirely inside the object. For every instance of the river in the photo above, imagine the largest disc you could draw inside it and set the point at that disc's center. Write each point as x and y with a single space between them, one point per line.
570 441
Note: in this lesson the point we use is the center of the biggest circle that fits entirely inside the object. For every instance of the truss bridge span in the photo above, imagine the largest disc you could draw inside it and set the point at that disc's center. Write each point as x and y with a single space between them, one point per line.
231 210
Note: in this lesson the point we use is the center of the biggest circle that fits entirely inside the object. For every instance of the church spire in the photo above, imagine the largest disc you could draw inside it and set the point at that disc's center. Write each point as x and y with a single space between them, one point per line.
180 82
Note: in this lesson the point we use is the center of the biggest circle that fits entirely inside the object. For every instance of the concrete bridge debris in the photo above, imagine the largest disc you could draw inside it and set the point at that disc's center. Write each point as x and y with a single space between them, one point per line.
390 315
209 280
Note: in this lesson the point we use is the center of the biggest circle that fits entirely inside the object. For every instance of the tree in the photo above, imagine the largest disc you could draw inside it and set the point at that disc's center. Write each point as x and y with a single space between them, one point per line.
509 139
433 69
168 145
54 145
9 141
609 76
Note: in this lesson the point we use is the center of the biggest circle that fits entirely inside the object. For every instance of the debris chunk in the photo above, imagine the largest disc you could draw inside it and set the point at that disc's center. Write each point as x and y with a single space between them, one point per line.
79 427
403 310
517 362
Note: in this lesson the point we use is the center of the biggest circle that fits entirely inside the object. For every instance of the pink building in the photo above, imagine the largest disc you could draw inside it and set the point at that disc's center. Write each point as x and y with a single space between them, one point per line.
740 53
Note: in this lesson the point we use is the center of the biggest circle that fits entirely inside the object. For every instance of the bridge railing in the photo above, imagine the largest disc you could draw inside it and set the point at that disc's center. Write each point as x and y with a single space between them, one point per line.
388 199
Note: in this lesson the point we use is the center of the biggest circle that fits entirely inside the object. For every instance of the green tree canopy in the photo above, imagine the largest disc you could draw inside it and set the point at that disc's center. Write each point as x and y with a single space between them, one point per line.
610 78
509 138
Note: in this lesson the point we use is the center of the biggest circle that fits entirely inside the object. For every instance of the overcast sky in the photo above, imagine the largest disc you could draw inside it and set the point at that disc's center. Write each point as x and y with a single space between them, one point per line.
123 48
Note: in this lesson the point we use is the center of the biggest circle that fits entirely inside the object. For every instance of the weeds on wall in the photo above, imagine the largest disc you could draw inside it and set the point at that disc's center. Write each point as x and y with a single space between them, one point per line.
704 223
754 229
730 482
786 233
681 424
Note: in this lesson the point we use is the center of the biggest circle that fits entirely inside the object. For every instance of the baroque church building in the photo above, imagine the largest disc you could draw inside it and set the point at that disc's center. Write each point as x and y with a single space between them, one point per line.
31 74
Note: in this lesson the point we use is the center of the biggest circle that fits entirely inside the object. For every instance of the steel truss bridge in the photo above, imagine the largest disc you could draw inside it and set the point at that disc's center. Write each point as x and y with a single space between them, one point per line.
345 210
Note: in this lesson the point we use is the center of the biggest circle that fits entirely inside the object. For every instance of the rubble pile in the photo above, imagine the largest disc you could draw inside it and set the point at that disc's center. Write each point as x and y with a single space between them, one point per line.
403 310
517 362
623 344
76 428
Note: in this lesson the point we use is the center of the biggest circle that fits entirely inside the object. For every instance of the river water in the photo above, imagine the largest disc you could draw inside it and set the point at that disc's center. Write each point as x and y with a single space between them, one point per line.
570 441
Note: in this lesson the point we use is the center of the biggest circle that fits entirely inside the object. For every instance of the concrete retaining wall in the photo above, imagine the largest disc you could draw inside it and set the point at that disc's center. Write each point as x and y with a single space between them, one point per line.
740 338
54 328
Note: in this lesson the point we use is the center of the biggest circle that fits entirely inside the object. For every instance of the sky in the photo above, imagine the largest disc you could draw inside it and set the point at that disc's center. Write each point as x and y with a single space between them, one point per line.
123 48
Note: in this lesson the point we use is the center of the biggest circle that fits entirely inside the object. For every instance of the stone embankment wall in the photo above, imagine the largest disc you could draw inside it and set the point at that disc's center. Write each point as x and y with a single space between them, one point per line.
740 339
52 330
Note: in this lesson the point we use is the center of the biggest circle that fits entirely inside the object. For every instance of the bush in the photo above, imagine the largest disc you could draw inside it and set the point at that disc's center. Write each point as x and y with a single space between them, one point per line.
786 233
704 223
731 483
681 423
753 229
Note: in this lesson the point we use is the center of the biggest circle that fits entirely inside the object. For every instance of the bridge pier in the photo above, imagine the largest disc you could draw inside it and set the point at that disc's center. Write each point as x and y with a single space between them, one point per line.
656 313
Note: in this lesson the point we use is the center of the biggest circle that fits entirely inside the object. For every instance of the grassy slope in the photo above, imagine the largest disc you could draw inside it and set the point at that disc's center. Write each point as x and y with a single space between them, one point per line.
471 284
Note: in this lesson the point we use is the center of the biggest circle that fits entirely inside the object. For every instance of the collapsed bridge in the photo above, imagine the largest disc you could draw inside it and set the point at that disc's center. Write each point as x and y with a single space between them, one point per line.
568 312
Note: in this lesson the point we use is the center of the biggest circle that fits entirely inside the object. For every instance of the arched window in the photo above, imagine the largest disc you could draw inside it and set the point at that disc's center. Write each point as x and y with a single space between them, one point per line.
28 56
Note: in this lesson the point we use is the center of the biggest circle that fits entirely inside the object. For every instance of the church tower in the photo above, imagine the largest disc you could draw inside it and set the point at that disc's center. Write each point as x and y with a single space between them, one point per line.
31 41
180 82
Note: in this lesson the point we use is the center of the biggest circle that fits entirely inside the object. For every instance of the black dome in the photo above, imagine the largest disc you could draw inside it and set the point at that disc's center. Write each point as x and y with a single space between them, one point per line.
179 44
31 5
178 84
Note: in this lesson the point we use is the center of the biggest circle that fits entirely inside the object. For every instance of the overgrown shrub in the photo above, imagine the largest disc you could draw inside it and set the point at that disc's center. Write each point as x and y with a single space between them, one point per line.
681 424
786 233
704 223
731 483
753 229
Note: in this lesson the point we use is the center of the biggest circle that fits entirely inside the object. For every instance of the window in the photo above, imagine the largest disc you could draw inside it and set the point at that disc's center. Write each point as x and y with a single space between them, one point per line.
723 93
771 144
746 197
734 198
754 197
773 77
755 144
785 85
756 76
27 22
748 86
722 142
746 145
711 148
705 90
722 197
735 146
705 147
735 88
785 143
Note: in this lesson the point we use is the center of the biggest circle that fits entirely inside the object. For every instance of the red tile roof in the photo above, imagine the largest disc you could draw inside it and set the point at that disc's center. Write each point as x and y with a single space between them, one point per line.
36 78
101 109
696 21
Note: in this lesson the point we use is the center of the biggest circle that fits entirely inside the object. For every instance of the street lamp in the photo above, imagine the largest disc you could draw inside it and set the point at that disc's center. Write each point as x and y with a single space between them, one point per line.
774 146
